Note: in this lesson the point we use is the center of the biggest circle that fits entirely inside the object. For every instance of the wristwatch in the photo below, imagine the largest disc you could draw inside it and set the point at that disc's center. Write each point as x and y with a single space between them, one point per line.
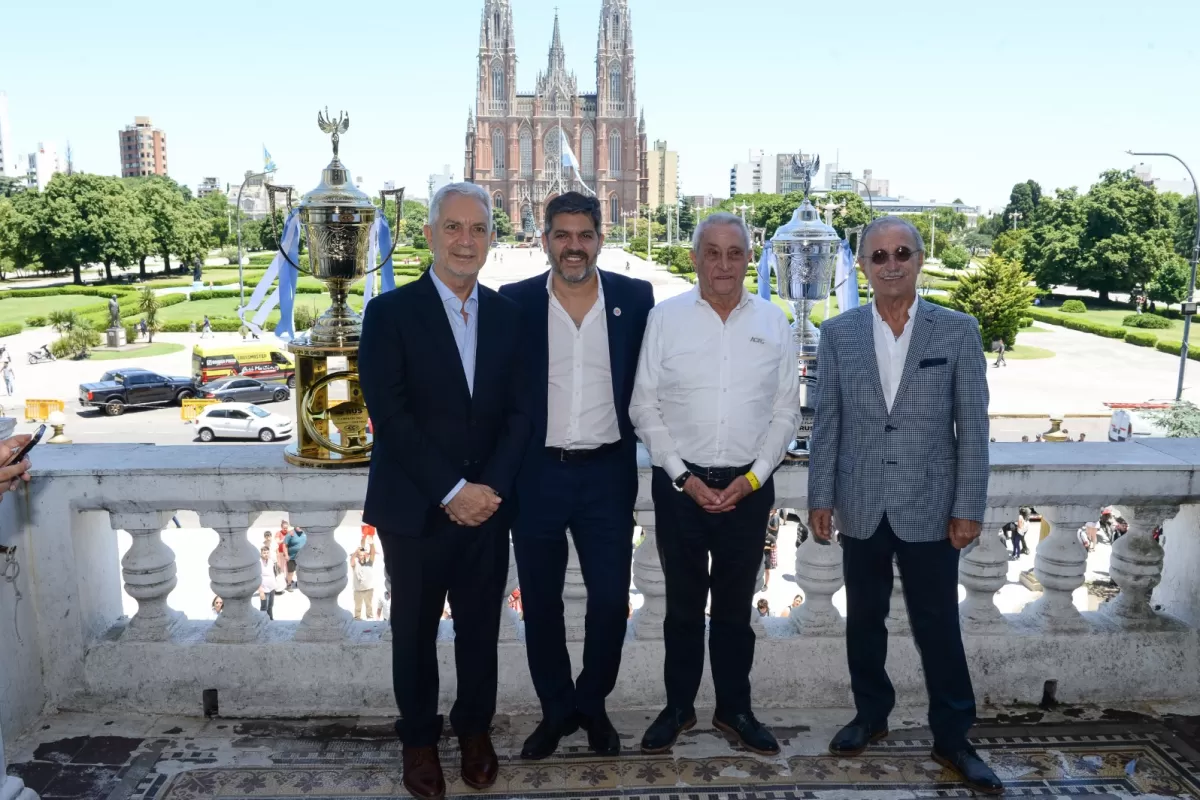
681 480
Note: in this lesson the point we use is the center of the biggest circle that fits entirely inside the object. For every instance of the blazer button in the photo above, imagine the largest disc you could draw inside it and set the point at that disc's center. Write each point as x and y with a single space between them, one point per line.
467 463
888 428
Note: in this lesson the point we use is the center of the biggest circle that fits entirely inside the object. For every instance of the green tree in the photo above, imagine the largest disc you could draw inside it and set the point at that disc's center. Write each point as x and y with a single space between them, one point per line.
8 237
687 219
992 225
162 204
1052 248
1184 220
148 304
1011 244
1169 282
955 257
1024 199
192 236
975 241
215 207
501 223
996 295
1181 420
118 226
76 334
854 211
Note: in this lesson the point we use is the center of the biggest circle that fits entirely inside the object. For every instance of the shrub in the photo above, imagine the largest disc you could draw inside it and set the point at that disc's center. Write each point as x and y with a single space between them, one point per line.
426 261
35 321
1153 321
131 331
1026 322
229 253
955 257
10 328
1086 326
1141 339
1174 348
304 316
1073 306
419 243
76 340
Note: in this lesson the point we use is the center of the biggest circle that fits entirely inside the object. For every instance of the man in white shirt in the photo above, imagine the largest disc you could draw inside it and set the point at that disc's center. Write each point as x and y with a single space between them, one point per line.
900 453
581 330
716 402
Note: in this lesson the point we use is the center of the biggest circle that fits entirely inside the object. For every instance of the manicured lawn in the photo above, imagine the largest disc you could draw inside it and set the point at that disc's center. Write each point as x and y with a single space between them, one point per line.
18 309
1113 317
1023 352
195 310
155 349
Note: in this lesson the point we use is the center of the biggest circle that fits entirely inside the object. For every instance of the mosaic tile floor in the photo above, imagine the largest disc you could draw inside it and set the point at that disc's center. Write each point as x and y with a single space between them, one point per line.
1080 753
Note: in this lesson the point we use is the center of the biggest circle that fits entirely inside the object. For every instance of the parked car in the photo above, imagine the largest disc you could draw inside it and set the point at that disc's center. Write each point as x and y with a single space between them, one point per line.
240 421
244 390
123 388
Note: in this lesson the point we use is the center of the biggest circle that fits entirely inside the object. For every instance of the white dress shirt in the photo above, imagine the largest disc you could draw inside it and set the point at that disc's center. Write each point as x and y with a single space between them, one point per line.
717 394
580 411
466 338
891 351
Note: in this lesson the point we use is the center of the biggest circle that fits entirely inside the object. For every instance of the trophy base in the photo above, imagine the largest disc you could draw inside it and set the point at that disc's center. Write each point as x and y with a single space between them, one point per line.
797 453
326 460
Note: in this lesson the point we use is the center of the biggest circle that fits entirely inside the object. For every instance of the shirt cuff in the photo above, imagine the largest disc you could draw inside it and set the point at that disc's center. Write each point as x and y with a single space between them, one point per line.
674 467
457 488
761 470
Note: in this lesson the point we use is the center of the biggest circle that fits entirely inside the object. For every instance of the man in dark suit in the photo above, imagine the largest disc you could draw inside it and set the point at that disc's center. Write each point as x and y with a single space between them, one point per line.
582 330
900 454
441 375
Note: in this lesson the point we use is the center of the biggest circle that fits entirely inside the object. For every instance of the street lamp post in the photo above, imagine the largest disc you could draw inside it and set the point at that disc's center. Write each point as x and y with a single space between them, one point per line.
1187 318
241 279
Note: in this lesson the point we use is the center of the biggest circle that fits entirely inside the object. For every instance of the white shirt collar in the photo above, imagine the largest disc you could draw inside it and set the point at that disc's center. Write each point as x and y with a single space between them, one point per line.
912 312
447 294
599 285
745 298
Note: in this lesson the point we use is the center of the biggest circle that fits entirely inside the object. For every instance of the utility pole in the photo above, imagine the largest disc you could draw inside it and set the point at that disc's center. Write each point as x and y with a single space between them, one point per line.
1016 217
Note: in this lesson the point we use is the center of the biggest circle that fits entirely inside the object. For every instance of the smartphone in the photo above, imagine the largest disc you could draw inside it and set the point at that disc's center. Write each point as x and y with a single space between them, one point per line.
24 451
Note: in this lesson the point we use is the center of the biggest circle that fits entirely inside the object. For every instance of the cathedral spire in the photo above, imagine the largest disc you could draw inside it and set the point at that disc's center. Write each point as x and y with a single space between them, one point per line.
558 56
470 121
642 122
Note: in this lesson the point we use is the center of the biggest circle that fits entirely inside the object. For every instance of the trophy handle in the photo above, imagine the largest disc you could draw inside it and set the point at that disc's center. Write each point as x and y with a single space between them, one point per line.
383 196
272 190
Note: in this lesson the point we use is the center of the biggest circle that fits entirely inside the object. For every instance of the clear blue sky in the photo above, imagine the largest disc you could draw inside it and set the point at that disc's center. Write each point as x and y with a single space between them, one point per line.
944 99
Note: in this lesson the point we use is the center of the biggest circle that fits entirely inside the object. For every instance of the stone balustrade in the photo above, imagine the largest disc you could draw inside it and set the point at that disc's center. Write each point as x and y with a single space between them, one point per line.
77 650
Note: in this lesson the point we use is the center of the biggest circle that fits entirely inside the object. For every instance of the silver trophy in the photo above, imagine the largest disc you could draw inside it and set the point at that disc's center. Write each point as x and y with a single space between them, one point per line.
806 249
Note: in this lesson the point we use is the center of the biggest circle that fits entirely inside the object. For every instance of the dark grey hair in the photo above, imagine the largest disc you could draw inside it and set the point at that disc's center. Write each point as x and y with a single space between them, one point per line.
720 218
462 189
889 222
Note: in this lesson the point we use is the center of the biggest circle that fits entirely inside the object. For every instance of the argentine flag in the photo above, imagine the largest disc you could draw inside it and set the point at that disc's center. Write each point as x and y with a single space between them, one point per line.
268 162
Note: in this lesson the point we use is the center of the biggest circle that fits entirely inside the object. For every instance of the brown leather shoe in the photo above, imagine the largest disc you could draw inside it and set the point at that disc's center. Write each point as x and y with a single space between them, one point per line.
423 773
479 764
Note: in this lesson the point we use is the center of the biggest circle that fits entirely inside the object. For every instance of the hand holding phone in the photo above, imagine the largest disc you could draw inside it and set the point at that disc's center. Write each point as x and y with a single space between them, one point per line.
17 449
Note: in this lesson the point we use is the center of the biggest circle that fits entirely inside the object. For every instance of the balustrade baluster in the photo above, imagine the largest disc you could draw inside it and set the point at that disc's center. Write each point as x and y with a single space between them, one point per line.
756 623
649 579
574 594
387 604
983 571
509 618
1136 566
149 572
322 571
897 618
1059 566
233 569
819 574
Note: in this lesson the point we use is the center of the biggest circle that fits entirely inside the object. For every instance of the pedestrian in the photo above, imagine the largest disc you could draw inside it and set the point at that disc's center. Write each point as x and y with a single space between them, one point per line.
9 378
206 328
716 402
1082 436
294 541
367 540
1025 438
217 605
362 568
580 469
440 365
904 490
1019 546
771 547
764 608
999 348
266 588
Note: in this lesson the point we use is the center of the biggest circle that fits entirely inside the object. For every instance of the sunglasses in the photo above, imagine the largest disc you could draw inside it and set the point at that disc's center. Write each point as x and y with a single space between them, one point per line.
902 255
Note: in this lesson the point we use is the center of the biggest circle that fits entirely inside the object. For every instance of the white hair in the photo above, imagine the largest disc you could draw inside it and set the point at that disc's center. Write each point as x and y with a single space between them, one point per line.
889 222
720 218
462 189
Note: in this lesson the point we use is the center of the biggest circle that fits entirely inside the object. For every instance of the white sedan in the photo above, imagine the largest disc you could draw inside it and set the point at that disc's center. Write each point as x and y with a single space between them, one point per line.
240 421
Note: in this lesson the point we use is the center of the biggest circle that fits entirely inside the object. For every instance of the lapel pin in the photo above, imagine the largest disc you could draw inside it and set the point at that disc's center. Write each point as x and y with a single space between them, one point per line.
616 312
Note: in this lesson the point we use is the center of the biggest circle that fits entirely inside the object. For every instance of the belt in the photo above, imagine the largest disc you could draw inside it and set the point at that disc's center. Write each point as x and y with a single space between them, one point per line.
581 454
714 475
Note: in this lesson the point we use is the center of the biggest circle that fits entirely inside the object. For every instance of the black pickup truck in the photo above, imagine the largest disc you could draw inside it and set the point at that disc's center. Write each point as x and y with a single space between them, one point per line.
124 388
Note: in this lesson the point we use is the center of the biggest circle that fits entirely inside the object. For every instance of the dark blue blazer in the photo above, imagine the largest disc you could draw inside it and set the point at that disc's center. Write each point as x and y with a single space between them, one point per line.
633 299
430 430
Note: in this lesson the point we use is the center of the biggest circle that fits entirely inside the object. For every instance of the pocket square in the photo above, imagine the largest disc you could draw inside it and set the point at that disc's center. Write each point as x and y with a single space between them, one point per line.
931 362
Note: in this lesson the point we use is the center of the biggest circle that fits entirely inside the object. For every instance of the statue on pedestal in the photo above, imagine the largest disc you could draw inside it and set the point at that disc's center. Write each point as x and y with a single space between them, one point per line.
114 313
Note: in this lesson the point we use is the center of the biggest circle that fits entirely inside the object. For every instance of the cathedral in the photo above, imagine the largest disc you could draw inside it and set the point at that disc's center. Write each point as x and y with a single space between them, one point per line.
513 146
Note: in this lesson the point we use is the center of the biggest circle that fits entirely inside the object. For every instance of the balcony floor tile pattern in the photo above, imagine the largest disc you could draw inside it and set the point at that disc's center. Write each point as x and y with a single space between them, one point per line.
1037 755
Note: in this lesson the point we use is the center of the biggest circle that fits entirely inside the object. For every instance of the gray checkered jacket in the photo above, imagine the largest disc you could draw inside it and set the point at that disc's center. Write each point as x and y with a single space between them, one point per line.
927 460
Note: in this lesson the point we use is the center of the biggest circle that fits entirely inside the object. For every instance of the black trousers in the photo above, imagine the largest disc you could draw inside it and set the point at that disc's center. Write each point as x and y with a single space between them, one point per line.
687 535
470 565
929 574
267 604
594 500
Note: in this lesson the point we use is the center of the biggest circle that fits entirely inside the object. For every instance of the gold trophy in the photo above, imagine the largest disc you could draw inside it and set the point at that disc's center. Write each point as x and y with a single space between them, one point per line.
336 218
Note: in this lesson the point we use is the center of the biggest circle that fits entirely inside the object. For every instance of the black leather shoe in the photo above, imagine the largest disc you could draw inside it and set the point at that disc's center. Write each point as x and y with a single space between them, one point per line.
856 737
749 732
603 738
970 768
544 740
661 735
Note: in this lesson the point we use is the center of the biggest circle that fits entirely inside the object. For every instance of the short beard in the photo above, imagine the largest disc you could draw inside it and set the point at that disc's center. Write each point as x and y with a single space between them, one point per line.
586 275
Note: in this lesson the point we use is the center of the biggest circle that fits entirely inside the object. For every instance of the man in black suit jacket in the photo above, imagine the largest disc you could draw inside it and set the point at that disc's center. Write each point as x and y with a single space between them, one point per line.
582 331
440 372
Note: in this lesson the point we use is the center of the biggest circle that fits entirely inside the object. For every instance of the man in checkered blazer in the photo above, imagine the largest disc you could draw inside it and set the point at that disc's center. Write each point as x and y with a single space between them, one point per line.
899 455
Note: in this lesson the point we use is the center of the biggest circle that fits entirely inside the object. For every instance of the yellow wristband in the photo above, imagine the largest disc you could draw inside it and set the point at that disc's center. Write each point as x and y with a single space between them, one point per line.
755 484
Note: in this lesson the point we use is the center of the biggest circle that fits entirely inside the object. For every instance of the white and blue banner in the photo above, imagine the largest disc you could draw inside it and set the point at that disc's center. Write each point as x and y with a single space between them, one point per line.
380 239
767 265
284 296
845 278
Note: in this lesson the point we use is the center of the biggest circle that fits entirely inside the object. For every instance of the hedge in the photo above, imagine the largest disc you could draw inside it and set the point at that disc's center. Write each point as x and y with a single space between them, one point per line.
10 328
1026 322
35 321
1146 321
1174 349
221 324
1073 306
56 291
1109 331
1141 339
